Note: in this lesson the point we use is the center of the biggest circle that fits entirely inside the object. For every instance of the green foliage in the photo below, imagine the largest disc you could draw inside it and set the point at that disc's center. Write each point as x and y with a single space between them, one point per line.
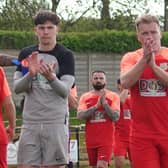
85 24
18 14
100 41
82 25
107 41
16 39
123 22
165 39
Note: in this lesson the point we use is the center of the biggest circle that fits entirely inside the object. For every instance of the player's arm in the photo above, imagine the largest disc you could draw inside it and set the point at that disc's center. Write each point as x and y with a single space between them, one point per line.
72 101
123 95
86 114
114 115
111 112
21 83
159 72
63 85
6 60
132 74
60 86
9 109
83 112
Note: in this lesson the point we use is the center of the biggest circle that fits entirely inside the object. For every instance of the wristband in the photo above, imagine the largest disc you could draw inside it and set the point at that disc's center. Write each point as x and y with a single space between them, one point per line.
15 61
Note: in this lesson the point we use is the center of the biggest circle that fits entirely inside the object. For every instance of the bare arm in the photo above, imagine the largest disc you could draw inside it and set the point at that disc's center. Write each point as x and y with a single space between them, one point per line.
72 101
123 95
86 114
114 115
6 60
10 111
130 77
160 73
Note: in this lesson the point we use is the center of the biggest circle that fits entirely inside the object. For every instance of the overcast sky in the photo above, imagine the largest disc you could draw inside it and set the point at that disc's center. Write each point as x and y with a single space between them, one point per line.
156 8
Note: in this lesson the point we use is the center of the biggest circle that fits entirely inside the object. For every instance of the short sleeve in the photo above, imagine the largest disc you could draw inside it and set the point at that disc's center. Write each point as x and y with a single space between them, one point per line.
5 90
82 103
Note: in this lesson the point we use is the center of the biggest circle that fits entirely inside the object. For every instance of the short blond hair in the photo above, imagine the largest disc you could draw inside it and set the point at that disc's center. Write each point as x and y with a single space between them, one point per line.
146 19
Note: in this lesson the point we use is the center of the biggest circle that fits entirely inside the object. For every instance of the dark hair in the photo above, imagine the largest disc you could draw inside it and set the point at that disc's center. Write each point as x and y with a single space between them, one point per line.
98 71
45 15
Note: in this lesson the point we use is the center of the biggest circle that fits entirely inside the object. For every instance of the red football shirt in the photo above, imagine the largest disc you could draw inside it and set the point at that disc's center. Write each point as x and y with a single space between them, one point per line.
99 128
5 91
149 97
123 125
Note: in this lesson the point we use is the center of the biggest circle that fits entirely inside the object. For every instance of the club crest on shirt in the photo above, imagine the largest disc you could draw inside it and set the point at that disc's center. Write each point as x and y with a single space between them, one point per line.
164 65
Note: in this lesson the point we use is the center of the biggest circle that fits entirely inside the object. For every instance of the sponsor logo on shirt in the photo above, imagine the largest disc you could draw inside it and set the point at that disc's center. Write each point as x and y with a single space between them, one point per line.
151 87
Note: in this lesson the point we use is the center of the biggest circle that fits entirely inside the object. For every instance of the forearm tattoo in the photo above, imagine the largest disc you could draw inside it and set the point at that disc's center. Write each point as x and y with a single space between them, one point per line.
113 114
87 113
5 60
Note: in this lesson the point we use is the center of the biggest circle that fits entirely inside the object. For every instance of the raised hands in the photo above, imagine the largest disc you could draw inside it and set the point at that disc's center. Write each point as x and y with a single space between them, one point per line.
38 66
149 49
102 99
47 70
33 63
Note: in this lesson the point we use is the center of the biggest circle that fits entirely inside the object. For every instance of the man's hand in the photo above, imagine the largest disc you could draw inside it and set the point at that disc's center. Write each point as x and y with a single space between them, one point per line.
148 49
98 104
33 63
102 99
10 133
152 62
47 70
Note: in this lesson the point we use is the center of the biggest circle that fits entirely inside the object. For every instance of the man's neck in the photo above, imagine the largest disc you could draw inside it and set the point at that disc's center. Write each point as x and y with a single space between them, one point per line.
49 47
98 91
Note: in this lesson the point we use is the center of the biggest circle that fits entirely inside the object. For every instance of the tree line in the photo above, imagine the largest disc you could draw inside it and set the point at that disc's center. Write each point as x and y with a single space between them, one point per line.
96 15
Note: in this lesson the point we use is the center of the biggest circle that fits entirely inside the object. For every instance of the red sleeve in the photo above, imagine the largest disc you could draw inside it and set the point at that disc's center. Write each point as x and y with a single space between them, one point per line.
130 59
5 90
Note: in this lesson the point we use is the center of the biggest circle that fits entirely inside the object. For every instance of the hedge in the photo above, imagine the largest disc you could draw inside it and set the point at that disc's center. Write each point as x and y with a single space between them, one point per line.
97 41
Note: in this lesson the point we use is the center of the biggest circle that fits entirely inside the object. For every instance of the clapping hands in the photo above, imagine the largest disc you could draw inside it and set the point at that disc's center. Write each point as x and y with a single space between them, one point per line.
102 99
38 66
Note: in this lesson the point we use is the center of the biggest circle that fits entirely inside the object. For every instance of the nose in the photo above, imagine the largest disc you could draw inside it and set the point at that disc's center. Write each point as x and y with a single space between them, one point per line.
98 80
46 30
149 36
